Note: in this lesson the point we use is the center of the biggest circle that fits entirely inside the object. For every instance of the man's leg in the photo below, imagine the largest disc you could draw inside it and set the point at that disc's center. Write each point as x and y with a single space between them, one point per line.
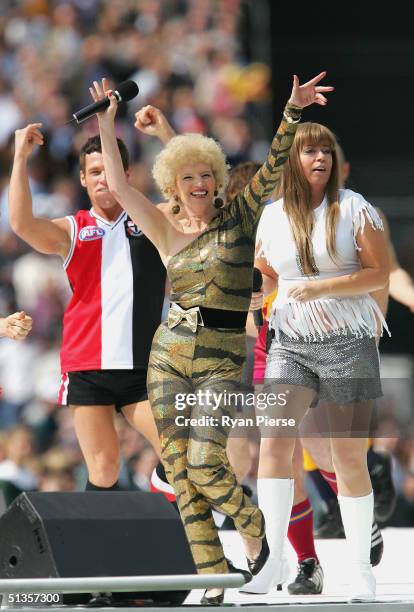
318 457
140 417
315 439
98 440
239 456
380 470
309 579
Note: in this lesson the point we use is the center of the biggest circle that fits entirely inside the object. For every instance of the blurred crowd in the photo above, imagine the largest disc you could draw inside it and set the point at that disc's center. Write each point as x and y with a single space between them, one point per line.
187 58
190 59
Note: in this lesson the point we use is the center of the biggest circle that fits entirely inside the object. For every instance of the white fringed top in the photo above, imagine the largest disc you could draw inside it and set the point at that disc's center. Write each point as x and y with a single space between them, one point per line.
314 319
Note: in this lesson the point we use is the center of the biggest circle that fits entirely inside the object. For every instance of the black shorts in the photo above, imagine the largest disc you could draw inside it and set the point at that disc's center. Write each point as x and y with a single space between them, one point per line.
117 388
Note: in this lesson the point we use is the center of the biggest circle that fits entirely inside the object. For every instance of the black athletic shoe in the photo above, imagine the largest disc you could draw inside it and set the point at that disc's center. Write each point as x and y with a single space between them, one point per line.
309 580
385 497
377 545
330 524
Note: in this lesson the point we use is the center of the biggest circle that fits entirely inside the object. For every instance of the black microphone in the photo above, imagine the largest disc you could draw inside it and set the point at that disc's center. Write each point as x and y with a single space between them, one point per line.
123 93
257 285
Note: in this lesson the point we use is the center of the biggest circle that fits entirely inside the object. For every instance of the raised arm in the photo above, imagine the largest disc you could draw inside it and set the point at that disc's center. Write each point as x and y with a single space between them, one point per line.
260 188
147 216
44 235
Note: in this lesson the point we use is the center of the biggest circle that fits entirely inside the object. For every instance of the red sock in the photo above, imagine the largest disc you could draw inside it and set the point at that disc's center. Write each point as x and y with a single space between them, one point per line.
330 478
300 531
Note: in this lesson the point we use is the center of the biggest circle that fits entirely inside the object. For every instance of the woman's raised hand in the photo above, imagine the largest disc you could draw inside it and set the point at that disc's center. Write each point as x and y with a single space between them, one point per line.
310 92
101 91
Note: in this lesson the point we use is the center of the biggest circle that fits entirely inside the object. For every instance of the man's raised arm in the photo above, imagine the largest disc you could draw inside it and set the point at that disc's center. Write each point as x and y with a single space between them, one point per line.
44 235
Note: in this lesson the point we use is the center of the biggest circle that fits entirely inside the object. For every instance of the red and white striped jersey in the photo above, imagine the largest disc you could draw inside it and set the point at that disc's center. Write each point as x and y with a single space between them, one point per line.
118 282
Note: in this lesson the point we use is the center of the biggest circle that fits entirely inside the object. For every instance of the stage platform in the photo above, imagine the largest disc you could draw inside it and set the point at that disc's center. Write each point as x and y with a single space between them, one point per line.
395 578
395 581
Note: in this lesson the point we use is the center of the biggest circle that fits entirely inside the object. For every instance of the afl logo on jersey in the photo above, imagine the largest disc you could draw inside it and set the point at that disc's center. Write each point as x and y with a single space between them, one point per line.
91 232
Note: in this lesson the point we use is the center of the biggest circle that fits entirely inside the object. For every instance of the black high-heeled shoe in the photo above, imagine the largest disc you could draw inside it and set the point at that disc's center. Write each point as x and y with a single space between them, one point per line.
256 565
214 600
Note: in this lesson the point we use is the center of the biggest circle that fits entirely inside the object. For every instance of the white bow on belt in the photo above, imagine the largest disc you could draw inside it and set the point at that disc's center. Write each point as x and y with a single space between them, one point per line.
192 317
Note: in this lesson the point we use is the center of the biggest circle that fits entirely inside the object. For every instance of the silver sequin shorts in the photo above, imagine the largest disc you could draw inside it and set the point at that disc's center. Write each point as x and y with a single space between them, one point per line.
340 368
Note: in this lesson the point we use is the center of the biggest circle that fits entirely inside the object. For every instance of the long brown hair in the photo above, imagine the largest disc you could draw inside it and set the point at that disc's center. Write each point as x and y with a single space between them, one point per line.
296 193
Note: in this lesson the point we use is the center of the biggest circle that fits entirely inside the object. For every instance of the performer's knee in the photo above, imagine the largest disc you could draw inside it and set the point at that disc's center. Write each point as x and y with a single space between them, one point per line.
104 469
348 460
278 449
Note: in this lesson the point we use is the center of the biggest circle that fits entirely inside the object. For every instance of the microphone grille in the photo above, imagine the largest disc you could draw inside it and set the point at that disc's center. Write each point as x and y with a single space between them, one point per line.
127 90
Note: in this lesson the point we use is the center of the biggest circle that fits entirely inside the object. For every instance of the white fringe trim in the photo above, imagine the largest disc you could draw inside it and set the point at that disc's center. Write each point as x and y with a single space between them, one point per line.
317 319
365 211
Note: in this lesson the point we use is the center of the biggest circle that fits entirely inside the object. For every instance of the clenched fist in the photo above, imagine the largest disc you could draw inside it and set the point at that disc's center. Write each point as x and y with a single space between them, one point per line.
26 138
152 122
16 326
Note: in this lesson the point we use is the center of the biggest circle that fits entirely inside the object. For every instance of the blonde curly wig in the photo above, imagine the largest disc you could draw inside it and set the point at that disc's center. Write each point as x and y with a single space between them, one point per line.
189 149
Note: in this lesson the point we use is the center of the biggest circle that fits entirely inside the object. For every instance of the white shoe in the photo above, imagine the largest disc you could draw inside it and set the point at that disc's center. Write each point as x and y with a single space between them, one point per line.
357 515
362 584
273 574
275 497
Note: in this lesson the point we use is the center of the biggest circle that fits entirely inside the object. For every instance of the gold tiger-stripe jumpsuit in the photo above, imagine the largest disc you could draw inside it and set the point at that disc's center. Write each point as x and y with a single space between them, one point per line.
215 271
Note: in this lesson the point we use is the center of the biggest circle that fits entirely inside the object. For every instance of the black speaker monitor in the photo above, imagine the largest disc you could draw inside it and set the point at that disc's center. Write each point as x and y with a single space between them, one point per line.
84 534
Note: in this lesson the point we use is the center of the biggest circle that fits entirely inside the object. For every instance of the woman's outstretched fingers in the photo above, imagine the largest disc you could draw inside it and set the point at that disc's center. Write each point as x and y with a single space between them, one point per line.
316 79
320 99
93 94
310 92
100 88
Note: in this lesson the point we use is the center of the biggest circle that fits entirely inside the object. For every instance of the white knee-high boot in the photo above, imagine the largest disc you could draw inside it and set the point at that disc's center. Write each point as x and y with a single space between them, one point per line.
357 516
275 497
